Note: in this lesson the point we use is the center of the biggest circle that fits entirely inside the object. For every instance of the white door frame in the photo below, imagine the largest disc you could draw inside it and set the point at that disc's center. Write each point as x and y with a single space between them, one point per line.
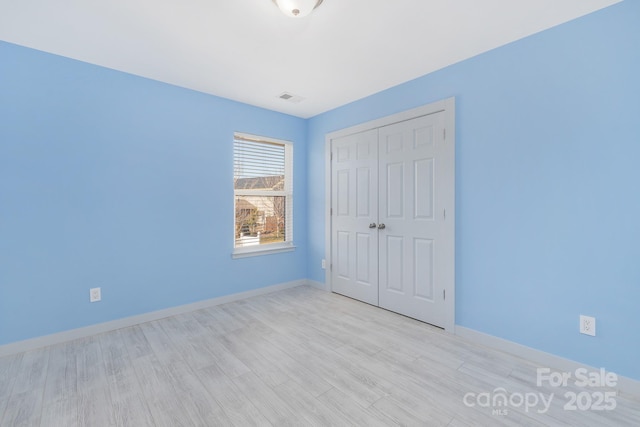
448 107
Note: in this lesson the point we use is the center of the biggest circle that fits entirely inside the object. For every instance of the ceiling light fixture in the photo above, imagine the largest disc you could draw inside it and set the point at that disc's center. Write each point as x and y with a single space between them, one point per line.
297 8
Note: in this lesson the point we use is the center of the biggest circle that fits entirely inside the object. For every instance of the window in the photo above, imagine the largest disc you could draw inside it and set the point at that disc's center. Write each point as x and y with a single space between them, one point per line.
263 195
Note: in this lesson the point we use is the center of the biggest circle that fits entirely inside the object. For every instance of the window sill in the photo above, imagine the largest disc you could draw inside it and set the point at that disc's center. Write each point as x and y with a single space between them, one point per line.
257 251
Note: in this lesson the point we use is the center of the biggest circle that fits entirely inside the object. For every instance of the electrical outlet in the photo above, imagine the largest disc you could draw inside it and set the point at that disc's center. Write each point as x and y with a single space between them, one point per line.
588 325
324 264
94 295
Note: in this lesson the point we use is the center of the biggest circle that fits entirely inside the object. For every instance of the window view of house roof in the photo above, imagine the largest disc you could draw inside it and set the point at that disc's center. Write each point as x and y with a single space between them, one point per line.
275 183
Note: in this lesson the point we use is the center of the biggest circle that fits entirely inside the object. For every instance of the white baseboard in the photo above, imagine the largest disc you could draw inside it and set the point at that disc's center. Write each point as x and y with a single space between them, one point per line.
625 385
73 334
318 285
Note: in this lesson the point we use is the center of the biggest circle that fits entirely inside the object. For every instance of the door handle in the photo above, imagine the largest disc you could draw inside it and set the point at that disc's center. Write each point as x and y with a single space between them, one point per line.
381 226
372 225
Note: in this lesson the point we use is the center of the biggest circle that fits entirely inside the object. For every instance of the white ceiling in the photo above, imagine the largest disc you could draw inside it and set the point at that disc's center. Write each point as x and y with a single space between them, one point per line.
248 51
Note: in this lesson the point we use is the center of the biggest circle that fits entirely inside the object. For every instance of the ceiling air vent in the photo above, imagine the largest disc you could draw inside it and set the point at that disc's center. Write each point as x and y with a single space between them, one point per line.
290 97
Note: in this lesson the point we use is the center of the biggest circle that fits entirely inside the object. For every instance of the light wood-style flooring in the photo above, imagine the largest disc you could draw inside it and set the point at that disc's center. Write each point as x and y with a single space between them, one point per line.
299 357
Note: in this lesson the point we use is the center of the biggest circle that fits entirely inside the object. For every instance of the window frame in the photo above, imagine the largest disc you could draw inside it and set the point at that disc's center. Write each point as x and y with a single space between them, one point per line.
287 192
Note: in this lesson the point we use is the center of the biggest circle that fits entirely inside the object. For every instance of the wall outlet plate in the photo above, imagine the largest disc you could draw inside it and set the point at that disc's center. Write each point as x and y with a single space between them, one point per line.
95 295
588 325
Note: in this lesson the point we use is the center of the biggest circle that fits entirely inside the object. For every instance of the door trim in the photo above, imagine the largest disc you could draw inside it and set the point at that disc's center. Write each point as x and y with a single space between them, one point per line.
448 107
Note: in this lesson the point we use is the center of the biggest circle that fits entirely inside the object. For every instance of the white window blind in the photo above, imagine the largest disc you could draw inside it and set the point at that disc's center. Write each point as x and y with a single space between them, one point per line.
263 194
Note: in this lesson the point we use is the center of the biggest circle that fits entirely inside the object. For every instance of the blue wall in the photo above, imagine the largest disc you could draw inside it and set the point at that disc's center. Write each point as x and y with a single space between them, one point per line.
112 180
547 185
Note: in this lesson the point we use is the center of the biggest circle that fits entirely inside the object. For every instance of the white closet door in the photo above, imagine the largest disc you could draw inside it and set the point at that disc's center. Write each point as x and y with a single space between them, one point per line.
354 178
415 243
392 214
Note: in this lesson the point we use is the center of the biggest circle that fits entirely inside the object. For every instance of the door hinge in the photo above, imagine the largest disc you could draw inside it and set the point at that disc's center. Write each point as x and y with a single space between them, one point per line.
444 294
444 214
444 133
